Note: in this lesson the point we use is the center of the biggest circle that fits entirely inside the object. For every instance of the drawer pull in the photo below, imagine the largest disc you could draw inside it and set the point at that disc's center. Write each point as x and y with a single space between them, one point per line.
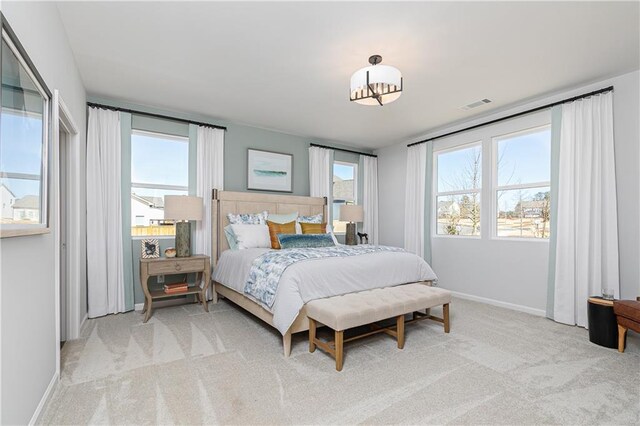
178 267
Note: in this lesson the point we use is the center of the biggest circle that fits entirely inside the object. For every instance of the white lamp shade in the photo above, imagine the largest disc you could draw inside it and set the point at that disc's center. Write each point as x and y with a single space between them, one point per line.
381 77
351 213
182 207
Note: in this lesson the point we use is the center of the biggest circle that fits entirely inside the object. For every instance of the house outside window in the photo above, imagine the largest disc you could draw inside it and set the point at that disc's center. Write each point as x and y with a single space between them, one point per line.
345 191
522 164
159 167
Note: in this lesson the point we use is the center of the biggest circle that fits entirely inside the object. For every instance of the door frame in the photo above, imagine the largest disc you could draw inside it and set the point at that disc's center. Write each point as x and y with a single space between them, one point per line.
63 121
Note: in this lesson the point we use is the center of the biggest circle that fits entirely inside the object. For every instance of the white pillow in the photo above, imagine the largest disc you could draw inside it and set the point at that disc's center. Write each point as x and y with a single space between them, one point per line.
252 236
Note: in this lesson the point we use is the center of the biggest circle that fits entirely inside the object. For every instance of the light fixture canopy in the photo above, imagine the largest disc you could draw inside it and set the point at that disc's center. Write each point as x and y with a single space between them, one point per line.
376 84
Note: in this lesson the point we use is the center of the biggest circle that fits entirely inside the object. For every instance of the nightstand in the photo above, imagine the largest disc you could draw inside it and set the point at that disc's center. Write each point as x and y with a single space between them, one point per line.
200 264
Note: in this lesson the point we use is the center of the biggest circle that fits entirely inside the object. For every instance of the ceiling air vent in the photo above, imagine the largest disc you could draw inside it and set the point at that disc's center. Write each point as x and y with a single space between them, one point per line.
475 104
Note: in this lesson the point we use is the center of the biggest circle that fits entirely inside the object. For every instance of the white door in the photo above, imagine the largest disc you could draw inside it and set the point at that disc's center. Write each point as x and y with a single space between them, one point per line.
64 199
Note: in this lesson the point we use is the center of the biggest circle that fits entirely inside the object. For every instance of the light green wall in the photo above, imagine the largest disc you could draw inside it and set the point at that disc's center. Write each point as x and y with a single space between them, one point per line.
240 138
150 124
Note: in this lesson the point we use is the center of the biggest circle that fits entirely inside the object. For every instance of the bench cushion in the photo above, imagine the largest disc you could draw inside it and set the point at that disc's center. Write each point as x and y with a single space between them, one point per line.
365 307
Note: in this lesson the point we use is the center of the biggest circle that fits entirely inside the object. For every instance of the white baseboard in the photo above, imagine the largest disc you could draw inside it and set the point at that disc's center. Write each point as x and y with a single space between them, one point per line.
507 305
45 398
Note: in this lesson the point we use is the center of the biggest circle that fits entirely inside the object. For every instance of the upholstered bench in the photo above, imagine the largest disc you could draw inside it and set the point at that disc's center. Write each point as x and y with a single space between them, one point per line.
367 307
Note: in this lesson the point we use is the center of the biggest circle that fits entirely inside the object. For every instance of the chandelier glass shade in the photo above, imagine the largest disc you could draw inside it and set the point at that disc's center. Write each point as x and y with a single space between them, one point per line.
376 84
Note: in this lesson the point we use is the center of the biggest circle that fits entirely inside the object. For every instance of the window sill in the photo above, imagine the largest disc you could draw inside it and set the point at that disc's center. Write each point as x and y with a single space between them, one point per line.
521 239
458 237
10 233
153 237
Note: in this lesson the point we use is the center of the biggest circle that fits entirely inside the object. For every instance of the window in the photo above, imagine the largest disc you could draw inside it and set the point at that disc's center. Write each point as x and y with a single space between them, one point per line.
159 167
521 183
459 183
345 188
24 122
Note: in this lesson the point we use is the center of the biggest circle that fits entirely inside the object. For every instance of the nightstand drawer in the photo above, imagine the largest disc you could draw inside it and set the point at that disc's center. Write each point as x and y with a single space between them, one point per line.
176 266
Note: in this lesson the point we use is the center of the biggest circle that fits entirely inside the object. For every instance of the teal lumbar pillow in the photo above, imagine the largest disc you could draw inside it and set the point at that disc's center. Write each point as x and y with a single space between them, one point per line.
288 241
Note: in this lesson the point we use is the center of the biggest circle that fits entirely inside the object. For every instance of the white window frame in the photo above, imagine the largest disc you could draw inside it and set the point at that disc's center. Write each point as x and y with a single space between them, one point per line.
157 135
355 187
15 230
436 194
495 188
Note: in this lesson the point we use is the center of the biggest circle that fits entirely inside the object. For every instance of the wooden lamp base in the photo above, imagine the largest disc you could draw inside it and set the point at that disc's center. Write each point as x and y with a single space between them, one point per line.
183 239
350 235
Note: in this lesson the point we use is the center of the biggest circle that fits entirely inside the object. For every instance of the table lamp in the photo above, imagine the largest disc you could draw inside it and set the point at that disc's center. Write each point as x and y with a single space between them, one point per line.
352 214
182 209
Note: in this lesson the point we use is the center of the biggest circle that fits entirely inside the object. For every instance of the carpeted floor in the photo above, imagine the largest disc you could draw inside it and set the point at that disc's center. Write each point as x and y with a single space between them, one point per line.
189 367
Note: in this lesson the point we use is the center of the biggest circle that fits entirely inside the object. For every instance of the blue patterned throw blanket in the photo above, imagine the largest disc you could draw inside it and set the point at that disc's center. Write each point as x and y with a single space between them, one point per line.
267 269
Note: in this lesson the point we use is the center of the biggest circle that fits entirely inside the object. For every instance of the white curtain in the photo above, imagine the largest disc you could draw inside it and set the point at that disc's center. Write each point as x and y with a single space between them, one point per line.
587 230
210 175
321 175
105 272
370 197
414 225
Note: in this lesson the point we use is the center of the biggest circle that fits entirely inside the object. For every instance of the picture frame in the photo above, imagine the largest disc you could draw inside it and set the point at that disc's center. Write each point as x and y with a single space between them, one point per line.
269 171
150 248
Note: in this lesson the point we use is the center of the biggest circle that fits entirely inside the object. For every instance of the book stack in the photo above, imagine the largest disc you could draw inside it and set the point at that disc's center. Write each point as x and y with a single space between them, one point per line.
175 288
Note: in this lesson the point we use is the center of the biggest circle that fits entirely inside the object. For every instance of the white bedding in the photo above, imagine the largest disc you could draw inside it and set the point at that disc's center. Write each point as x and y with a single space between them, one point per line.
319 278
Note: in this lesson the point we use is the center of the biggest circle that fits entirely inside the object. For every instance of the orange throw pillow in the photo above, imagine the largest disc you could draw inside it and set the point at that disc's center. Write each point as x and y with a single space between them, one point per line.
314 228
280 228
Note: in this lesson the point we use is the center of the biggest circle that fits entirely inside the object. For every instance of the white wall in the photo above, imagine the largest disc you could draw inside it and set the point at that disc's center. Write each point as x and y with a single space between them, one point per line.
499 268
392 173
27 311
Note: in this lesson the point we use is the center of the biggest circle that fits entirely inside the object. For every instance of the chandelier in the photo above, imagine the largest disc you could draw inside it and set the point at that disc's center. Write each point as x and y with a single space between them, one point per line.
377 84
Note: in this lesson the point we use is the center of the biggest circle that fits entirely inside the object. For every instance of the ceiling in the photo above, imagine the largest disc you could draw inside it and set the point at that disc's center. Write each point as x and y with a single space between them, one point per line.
286 66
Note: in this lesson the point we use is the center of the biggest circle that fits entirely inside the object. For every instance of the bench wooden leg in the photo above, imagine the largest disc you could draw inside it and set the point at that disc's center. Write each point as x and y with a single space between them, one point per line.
312 335
445 314
339 346
400 331
622 333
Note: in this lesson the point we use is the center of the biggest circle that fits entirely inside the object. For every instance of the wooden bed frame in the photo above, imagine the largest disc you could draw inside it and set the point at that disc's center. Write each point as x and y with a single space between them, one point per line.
224 202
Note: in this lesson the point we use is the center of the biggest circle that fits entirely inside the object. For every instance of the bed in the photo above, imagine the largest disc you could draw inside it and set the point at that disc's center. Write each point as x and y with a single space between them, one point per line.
303 281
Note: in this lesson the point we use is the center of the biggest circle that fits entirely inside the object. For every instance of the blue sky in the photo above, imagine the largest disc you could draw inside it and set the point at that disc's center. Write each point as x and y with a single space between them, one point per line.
342 171
159 161
21 152
522 159
525 158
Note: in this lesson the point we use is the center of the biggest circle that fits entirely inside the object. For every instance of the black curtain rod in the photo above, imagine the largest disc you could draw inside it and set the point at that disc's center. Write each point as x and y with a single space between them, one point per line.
344 150
508 117
149 114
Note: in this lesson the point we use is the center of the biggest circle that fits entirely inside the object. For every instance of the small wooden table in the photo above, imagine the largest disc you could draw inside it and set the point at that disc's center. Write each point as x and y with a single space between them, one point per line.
198 263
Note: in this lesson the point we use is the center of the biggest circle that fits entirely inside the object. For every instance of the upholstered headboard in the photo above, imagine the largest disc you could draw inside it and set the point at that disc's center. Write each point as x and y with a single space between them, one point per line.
224 202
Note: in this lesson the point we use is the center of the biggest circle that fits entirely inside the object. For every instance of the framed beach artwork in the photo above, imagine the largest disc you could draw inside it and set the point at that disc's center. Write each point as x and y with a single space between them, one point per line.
269 171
